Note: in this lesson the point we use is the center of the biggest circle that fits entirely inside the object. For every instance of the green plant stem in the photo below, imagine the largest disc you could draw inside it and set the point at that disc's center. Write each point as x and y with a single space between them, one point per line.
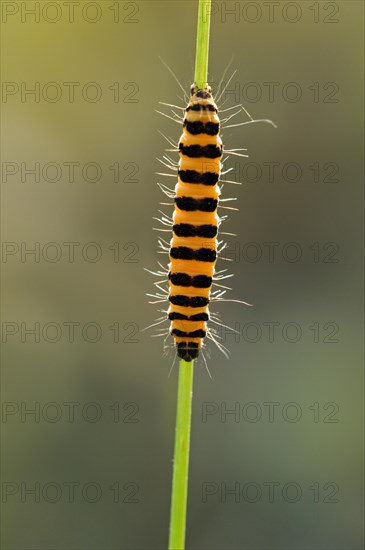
186 369
202 43
181 456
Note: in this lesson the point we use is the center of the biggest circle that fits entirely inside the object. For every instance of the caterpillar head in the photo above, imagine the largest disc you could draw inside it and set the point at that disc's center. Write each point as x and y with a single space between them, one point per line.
187 350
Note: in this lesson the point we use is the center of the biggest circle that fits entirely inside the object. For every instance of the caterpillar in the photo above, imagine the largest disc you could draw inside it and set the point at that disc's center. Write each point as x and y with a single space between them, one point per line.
194 247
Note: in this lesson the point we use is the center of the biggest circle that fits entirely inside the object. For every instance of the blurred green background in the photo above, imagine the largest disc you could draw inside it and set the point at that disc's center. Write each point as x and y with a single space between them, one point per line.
97 451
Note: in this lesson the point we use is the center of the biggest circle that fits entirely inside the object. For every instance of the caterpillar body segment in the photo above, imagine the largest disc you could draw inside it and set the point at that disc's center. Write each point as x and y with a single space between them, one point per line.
193 247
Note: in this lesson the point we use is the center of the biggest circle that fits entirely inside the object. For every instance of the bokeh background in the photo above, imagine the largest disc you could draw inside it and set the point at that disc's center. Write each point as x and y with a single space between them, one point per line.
91 467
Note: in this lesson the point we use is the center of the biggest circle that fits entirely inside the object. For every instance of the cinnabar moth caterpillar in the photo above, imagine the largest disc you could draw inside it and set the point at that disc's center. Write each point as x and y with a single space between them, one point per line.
193 247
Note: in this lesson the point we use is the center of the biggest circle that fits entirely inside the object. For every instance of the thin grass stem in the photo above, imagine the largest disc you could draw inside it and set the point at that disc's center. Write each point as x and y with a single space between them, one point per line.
202 43
186 369
181 456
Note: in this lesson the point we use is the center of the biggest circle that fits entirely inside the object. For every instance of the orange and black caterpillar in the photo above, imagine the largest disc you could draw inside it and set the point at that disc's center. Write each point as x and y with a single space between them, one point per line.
193 247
